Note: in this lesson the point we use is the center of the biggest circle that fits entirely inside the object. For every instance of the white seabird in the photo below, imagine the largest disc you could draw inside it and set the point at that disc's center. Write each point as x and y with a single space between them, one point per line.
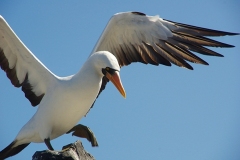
63 101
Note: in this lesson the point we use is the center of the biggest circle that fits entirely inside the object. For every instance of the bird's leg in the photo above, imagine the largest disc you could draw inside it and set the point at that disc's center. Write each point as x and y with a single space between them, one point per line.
48 144
84 132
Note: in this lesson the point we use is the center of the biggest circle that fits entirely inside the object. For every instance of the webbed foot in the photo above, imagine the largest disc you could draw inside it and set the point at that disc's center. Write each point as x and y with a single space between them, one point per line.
84 132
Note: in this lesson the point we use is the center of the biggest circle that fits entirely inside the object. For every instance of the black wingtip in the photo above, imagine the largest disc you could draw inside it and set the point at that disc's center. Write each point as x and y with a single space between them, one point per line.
204 31
220 55
187 66
229 46
225 33
190 68
205 63
232 34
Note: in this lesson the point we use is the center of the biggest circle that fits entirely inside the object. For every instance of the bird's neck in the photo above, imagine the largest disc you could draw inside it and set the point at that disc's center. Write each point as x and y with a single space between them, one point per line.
88 79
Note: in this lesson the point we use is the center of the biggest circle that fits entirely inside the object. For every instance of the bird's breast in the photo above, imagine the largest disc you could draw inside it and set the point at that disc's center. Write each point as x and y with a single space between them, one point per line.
65 105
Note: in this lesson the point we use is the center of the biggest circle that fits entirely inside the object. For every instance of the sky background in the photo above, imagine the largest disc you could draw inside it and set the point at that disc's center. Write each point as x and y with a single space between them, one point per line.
170 113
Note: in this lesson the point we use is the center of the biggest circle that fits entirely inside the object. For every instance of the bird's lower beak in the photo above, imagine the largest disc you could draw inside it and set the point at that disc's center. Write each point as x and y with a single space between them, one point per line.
115 79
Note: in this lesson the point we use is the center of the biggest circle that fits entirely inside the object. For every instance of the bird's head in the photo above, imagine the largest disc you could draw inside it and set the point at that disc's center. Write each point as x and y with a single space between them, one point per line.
109 67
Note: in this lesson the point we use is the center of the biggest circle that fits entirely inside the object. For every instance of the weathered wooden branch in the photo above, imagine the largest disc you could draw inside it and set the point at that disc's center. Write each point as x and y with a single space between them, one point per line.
74 151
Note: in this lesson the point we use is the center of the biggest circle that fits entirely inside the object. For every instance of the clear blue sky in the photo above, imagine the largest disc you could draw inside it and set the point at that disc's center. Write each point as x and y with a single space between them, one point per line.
169 113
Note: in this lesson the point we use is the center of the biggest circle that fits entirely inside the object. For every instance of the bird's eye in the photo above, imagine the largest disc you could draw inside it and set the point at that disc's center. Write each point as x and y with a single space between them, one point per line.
109 70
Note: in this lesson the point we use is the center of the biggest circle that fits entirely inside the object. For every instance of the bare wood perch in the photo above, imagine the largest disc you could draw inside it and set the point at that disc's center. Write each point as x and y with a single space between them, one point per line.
74 151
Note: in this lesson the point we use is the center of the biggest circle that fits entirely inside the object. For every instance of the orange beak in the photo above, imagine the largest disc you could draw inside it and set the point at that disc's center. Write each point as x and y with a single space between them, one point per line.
115 79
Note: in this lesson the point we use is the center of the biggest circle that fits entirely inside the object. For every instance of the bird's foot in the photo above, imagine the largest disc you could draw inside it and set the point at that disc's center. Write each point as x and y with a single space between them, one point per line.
84 132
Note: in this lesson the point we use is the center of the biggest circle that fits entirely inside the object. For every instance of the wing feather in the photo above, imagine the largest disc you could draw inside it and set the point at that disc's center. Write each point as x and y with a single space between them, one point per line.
194 30
133 37
136 37
22 67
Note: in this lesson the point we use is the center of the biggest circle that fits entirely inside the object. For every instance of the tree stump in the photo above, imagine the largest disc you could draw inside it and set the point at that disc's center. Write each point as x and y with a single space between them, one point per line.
74 151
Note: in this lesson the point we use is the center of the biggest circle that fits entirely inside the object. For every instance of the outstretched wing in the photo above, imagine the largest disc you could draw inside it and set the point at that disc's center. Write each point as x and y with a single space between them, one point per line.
136 37
21 66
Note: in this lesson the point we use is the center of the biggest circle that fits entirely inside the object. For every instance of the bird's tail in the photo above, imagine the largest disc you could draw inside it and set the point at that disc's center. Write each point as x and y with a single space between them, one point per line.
12 150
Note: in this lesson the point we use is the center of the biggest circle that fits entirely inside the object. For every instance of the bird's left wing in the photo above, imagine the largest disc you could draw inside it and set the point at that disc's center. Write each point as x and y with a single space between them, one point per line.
22 67
136 37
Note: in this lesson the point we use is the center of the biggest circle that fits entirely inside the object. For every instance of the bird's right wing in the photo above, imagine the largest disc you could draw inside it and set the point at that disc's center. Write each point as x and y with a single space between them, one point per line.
136 37
22 67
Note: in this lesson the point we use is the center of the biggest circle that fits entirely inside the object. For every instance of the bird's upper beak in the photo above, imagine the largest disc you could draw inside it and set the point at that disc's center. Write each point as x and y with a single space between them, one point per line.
114 77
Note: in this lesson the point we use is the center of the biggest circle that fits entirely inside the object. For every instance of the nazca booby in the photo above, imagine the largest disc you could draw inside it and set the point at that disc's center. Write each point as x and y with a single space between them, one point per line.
128 37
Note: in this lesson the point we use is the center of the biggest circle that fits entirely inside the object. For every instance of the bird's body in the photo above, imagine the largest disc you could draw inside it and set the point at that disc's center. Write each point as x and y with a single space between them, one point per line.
63 101
73 97
71 103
